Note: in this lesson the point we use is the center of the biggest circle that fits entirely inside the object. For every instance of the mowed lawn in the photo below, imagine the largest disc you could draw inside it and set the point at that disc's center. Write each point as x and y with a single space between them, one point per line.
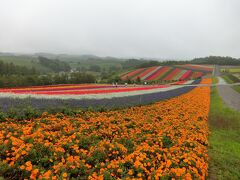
233 70
224 149
237 88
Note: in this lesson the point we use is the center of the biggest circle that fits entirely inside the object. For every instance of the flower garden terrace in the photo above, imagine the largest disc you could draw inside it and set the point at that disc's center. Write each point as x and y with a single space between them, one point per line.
167 139
90 95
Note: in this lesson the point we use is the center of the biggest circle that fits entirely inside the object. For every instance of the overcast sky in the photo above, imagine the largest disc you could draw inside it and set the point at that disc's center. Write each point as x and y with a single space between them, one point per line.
123 28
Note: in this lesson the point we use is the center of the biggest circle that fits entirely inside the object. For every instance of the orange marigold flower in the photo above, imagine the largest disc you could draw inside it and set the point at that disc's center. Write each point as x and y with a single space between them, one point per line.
34 174
28 163
130 172
47 174
29 166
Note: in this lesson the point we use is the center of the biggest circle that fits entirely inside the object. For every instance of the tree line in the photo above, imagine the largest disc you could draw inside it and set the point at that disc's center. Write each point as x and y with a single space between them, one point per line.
218 60
12 75
11 69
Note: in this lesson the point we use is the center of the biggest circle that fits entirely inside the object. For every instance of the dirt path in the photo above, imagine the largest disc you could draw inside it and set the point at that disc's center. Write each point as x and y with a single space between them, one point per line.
227 93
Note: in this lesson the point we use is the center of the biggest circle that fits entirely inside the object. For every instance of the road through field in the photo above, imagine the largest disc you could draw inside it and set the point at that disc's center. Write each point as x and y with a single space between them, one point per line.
227 93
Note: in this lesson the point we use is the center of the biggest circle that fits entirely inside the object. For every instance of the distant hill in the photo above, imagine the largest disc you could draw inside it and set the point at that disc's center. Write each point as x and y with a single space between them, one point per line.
219 60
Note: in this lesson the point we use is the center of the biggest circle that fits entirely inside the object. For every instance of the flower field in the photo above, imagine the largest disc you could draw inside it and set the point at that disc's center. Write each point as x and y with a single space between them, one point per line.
166 139
168 73
79 89
88 95
86 91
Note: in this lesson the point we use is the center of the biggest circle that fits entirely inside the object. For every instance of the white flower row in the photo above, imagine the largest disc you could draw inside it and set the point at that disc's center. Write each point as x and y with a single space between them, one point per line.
189 82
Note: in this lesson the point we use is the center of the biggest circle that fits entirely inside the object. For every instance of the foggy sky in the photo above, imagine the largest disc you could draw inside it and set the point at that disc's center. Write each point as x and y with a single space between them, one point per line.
122 28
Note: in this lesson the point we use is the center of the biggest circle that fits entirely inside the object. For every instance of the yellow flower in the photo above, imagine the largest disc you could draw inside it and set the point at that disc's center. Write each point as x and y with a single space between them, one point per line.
64 175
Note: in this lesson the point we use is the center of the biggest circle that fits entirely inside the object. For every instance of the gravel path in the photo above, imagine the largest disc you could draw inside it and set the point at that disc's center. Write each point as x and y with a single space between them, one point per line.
227 93
230 96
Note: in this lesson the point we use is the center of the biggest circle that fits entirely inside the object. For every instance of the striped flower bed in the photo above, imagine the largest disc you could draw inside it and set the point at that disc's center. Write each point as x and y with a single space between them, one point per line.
146 73
86 91
186 75
172 74
106 100
198 67
133 73
78 89
158 73
105 91
58 88
197 74
168 73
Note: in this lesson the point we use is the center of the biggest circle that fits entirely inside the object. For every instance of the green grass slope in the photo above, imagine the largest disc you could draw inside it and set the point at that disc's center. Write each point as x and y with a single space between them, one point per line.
224 149
237 88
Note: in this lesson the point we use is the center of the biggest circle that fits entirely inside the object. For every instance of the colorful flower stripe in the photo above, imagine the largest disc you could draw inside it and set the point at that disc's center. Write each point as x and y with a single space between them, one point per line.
203 66
206 81
79 97
171 75
167 139
132 73
198 67
163 75
167 73
159 72
55 89
115 90
135 76
73 90
31 88
189 76
180 74
197 75
149 74
52 86
186 75
179 82
146 72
